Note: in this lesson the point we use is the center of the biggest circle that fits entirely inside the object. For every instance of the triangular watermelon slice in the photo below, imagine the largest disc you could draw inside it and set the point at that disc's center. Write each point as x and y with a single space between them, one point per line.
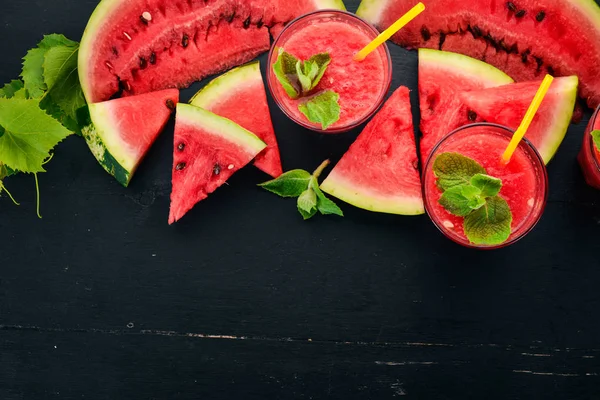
442 75
240 96
507 105
120 132
208 149
380 170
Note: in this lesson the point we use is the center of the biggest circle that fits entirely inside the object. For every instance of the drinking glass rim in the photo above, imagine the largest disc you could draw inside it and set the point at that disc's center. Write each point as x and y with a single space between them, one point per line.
592 122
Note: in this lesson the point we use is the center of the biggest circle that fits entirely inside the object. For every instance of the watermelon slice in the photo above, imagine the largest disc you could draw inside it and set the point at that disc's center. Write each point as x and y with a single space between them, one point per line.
208 149
524 38
442 75
138 46
119 132
507 105
240 96
380 170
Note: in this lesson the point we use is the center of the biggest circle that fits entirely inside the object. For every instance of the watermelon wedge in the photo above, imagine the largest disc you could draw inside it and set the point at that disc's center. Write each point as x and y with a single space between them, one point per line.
507 105
137 46
208 149
120 132
524 38
239 95
380 170
442 75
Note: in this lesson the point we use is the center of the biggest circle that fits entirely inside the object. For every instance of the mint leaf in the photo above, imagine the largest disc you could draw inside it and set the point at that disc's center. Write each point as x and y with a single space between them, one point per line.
11 88
488 185
310 72
453 169
285 71
290 184
596 137
307 203
489 225
322 109
455 202
322 61
29 135
33 72
324 205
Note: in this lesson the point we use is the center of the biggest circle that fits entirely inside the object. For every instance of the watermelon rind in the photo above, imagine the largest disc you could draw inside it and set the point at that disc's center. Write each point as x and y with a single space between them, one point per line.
220 126
330 4
370 10
105 143
225 83
344 190
464 65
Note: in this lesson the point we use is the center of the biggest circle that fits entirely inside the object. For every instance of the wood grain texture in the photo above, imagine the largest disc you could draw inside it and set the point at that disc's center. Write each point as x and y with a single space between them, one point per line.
101 299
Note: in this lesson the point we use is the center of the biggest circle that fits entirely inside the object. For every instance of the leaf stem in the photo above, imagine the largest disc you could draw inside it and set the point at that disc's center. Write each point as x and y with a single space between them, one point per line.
37 191
3 188
320 169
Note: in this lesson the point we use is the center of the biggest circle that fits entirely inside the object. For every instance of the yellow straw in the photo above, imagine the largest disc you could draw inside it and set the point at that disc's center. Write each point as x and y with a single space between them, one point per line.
533 108
389 32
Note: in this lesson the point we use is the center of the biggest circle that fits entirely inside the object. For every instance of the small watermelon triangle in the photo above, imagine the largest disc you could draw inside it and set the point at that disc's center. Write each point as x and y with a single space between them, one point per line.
208 149
240 96
507 105
120 132
380 170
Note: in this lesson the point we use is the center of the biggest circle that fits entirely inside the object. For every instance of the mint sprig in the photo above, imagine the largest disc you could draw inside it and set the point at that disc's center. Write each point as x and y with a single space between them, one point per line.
470 193
322 109
596 138
305 186
299 77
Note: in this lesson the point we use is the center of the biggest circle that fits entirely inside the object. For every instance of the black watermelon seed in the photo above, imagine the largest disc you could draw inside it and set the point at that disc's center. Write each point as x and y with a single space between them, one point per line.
230 17
550 70
143 63
124 85
514 49
217 169
247 23
425 33
511 6
170 104
260 23
540 16
181 146
477 32
442 39
502 45
472 115
185 41
520 13
539 62
115 51
524 58
153 58
180 166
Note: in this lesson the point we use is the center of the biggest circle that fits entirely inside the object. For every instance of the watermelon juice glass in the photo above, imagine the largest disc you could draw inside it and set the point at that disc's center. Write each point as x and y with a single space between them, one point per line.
524 179
589 156
362 86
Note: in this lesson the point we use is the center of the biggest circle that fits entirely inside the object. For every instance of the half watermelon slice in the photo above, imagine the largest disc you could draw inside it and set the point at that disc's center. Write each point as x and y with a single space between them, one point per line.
442 76
120 132
380 170
208 149
239 95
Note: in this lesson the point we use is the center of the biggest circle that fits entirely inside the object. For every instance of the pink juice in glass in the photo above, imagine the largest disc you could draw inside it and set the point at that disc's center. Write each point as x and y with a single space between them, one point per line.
524 179
589 156
362 86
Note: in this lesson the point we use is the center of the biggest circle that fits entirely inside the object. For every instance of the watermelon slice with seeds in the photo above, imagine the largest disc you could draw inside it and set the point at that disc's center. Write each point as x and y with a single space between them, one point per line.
120 132
380 170
239 95
137 46
208 149
524 38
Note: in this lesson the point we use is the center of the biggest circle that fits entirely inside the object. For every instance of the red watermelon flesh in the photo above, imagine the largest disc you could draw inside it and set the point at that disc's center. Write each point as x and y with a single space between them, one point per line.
240 96
136 46
208 149
525 38
442 75
380 170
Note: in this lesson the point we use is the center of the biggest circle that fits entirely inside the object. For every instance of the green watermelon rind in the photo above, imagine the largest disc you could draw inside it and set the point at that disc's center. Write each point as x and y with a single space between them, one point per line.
342 189
464 65
370 10
330 4
224 84
220 126
93 135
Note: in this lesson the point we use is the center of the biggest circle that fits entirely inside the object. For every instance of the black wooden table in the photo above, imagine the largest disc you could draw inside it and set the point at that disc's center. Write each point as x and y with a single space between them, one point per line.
101 299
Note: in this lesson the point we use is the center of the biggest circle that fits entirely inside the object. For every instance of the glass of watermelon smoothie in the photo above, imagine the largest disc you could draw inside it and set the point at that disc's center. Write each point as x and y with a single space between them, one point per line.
589 156
524 186
361 86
